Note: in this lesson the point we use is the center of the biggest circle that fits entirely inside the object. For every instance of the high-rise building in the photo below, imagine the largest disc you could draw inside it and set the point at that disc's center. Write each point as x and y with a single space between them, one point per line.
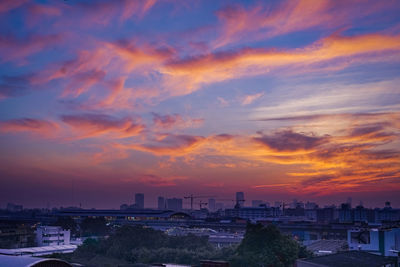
161 203
349 201
139 201
240 198
174 204
211 204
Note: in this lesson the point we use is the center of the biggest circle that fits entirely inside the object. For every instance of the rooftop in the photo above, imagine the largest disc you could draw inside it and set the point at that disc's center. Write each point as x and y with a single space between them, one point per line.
25 261
37 251
350 259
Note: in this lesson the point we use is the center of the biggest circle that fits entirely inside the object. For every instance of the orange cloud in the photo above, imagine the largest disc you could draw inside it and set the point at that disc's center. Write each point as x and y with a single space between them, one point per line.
187 75
92 125
169 145
352 158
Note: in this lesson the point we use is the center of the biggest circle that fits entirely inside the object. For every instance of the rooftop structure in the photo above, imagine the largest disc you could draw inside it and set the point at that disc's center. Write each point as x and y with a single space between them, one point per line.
39 251
381 241
26 261
139 201
348 259
326 246
124 215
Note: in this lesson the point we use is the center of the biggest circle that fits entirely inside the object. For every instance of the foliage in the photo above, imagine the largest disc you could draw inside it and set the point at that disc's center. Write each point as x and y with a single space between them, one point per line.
261 246
67 223
94 227
265 246
145 245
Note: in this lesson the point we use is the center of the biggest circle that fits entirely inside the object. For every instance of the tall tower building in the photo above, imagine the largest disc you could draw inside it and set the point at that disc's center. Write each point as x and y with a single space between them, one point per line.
139 201
211 204
349 201
240 199
161 203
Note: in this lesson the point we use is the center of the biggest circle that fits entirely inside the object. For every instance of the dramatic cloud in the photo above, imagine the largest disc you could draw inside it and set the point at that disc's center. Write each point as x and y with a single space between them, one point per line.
290 141
169 145
299 97
187 75
92 125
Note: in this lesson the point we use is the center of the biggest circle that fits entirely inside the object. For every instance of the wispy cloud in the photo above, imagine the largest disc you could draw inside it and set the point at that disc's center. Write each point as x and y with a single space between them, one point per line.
248 99
175 121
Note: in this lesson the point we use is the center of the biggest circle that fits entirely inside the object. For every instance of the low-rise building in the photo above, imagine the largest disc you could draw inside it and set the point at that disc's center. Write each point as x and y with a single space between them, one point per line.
52 236
381 241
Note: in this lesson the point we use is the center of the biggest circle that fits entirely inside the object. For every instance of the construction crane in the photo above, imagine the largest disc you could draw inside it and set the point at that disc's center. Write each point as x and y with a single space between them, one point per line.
191 197
201 204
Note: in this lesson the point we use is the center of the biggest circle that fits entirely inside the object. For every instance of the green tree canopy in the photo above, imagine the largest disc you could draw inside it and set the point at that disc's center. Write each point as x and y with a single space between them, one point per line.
266 246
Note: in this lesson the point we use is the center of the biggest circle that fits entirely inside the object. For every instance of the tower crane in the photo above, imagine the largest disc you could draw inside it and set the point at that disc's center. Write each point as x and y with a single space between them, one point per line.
191 197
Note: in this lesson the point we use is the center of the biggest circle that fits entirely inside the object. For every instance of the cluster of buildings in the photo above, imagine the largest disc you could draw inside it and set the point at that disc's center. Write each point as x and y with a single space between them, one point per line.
328 230
262 210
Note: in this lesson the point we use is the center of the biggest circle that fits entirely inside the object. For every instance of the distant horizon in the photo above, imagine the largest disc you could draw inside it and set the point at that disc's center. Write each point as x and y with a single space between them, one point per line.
152 204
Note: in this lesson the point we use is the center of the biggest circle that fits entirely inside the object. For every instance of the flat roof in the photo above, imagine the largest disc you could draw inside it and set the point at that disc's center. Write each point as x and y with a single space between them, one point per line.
127 212
38 250
26 261
350 259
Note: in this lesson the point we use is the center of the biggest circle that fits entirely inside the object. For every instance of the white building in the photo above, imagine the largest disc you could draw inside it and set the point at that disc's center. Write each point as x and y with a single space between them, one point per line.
52 236
385 242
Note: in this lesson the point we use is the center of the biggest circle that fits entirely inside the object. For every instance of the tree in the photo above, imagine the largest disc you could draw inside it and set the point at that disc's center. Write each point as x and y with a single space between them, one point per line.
67 223
94 227
264 247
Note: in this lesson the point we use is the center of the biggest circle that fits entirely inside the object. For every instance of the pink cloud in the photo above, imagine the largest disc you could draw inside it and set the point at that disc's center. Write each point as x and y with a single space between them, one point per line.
7 5
28 125
262 21
18 50
174 121
248 99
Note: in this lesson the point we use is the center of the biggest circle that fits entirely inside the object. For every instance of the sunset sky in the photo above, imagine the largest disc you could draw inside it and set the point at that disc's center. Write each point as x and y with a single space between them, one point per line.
279 99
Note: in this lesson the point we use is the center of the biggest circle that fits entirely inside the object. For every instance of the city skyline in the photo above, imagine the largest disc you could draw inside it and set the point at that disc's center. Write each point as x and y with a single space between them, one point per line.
281 100
161 203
